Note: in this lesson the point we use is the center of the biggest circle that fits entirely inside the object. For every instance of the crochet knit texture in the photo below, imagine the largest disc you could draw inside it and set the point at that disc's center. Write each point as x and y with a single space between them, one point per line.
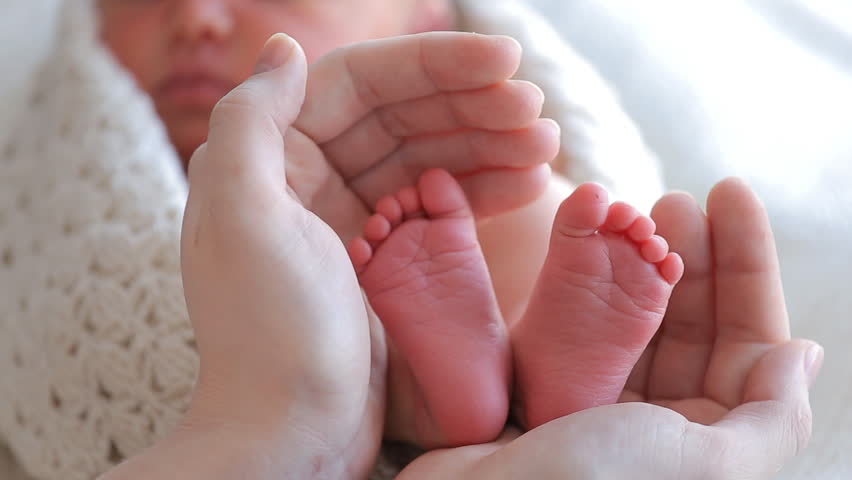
97 359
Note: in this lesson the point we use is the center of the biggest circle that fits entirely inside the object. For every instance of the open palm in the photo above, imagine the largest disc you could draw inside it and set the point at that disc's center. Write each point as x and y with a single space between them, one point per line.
721 392
726 313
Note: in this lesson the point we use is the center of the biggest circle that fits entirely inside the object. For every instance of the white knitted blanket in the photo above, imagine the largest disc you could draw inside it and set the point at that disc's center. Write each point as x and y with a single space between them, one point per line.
96 351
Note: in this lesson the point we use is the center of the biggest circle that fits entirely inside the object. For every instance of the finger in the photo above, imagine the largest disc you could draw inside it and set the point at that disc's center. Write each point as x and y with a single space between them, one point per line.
688 331
636 387
314 181
750 295
494 192
777 376
506 106
774 424
356 79
238 176
245 145
460 153
510 105
750 309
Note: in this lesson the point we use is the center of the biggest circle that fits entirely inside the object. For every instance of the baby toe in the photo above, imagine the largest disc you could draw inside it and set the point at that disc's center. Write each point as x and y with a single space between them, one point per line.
671 268
620 217
360 252
655 249
409 200
377 228
642 229
390 208
583 213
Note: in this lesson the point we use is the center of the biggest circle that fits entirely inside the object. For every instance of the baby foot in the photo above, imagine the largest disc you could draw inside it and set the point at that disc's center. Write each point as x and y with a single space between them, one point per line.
422 268
599 300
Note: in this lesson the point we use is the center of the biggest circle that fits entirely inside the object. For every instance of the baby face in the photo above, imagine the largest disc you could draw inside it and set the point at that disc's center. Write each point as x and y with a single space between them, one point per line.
186 54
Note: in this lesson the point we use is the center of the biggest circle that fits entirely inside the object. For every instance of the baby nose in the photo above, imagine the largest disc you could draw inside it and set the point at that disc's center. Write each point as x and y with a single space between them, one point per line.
202 19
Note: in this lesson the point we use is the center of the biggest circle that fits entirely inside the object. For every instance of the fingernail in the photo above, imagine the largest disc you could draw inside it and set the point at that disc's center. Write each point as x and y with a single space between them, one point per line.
277 50
813 363
511 42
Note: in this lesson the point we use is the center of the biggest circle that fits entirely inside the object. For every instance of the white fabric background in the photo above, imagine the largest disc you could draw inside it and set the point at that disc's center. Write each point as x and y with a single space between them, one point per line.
762 90
757 89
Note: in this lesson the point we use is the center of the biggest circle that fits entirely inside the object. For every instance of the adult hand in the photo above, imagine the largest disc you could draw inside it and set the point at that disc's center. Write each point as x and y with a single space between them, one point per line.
727 311
645 441
377 114
287 386
721 393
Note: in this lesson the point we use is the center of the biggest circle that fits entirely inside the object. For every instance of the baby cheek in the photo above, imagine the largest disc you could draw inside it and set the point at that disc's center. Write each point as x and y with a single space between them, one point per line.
317 42
145 60
319 28
316 47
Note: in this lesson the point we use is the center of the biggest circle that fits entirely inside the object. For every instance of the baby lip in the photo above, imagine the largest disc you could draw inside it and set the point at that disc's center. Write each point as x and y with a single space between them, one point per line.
194 89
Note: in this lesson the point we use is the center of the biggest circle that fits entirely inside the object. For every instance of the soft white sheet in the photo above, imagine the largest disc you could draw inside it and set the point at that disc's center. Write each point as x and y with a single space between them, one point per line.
761 90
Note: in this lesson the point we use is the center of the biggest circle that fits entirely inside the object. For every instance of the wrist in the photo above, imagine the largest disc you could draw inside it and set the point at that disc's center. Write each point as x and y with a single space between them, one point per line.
227 451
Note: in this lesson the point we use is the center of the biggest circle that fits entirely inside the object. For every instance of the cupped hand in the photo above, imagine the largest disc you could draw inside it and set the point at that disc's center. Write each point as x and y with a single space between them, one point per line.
725 314
289 362
722 392
645 441
377 114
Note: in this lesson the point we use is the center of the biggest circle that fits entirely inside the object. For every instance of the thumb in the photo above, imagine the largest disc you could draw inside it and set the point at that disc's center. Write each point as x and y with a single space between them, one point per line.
774 423
245 143
785 373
